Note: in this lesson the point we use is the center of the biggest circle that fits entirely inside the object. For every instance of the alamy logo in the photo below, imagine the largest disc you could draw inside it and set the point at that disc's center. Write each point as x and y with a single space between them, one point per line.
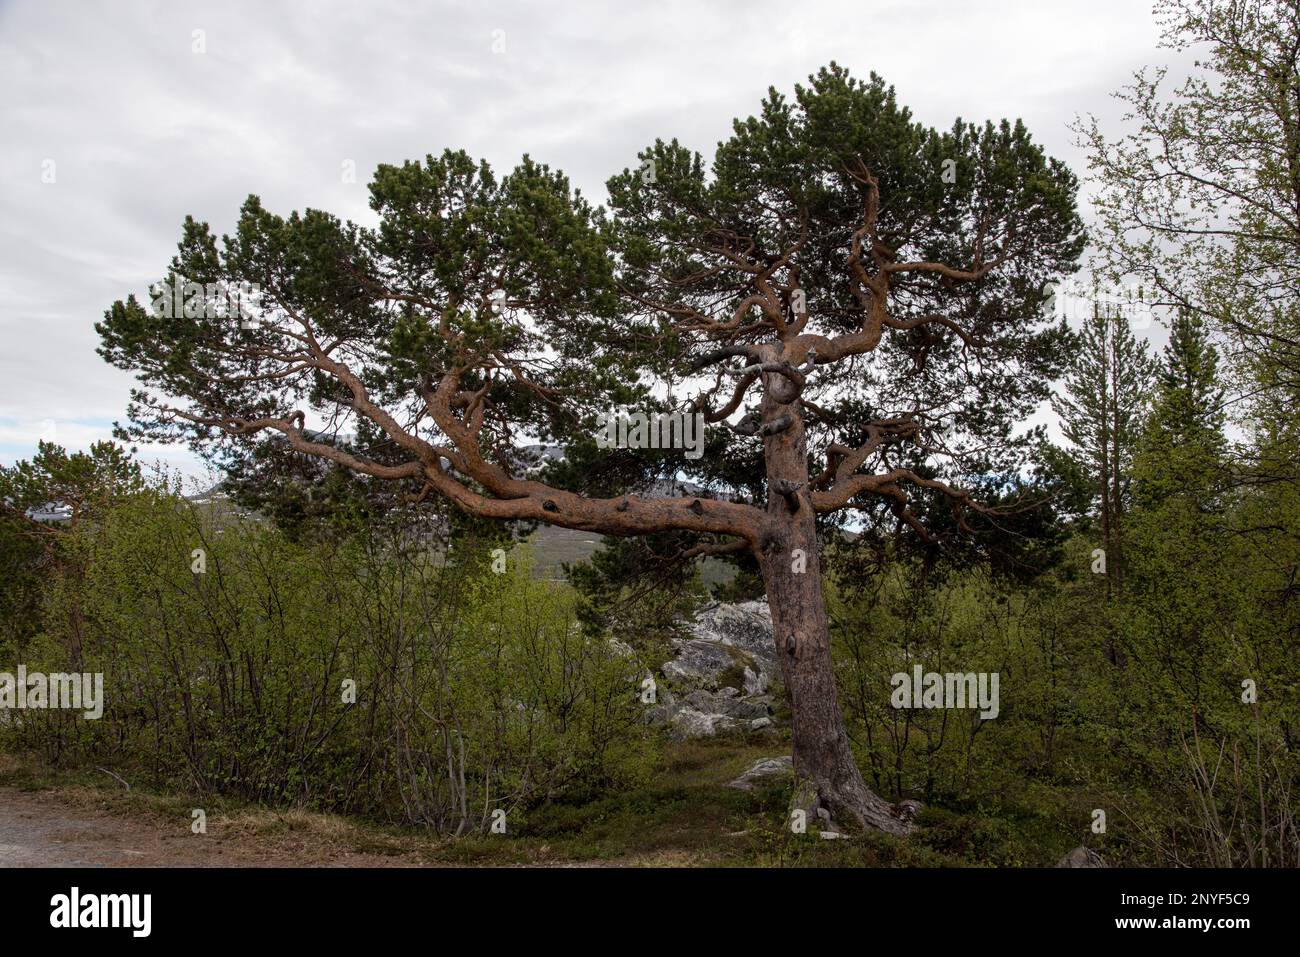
669 430
952 690
214 300
1072 299
103 910
73 692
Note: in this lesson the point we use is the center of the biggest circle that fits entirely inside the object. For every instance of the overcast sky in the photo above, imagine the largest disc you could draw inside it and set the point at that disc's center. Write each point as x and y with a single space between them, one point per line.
139 120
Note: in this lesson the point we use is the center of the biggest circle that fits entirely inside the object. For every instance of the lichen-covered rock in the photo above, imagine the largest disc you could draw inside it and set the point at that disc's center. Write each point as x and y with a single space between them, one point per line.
745 625
699 664
723 670
716 702
728 701
751 707
729 645
666 704
1081 857
689 723
763 772
621 648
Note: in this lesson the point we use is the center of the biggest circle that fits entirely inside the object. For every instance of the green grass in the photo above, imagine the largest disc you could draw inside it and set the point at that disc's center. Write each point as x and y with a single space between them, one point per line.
686 816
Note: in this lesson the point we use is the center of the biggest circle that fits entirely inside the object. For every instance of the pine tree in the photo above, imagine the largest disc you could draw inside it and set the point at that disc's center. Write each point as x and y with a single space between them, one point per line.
1183 443
1184 594
875 331
1101 414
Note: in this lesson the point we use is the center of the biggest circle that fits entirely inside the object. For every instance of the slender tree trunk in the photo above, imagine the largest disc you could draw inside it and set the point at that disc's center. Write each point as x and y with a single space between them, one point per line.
1116 566
1103 442
827 775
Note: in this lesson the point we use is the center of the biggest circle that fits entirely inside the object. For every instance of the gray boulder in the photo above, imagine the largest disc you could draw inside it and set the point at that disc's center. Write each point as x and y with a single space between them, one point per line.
745 625
689 723
661 712
751 707
729 644
1081 857
764 772
699 664
729 702
720 674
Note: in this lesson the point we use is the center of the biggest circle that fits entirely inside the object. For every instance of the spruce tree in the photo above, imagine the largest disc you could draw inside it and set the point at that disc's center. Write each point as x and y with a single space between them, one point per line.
1182 444
1101 411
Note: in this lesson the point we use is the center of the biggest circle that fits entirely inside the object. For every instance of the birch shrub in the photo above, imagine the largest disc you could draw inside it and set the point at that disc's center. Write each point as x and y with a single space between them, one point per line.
368 673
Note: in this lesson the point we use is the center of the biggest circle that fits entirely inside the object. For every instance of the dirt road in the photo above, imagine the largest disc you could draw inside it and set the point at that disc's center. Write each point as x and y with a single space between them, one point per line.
35 831
38 829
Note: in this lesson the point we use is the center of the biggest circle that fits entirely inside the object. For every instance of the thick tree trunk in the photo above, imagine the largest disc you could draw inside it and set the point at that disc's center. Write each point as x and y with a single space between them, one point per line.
827 775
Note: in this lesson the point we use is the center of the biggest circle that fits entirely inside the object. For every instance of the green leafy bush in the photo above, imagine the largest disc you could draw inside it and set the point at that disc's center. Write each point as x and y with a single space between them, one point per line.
362 673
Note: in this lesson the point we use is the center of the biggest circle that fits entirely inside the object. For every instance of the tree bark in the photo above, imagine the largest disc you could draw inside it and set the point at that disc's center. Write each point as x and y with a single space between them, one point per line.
827 775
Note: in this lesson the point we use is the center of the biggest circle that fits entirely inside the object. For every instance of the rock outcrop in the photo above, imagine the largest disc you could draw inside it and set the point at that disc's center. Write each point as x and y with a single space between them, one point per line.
719 677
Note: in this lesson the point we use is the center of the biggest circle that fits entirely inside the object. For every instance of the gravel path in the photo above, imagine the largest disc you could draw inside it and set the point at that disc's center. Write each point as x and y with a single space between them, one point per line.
39 830
36 832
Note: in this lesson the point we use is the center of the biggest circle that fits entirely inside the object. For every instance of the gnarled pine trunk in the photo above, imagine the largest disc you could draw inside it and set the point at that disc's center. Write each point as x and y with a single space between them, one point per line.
827 775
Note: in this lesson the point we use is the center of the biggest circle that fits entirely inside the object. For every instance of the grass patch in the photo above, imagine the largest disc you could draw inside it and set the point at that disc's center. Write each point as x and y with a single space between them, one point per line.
685 816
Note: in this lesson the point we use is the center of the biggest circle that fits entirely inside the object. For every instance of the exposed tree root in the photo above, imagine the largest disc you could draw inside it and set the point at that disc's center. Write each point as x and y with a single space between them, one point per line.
852 806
